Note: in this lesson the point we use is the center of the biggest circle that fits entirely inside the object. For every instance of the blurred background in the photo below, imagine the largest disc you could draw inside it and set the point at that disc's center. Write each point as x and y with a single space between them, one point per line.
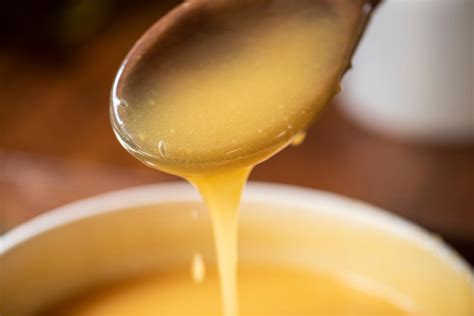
400 137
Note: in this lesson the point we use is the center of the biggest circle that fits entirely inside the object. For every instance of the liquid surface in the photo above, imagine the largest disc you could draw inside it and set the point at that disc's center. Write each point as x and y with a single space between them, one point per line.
262 291
219 86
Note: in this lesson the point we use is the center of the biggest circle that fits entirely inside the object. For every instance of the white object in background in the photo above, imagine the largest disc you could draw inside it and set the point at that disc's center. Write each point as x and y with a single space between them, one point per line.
413 72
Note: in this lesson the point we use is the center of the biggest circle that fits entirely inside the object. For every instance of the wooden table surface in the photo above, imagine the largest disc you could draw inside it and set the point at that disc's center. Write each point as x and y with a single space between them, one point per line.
57 146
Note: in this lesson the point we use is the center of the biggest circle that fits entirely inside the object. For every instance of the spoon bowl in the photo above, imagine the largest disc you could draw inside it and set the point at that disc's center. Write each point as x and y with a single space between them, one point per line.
215 84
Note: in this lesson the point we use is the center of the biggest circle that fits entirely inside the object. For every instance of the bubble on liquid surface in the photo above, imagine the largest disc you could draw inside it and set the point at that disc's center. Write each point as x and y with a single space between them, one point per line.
161 148
198 268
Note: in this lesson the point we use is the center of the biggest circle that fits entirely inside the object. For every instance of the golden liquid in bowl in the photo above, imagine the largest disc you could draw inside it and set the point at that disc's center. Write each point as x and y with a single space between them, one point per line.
262 291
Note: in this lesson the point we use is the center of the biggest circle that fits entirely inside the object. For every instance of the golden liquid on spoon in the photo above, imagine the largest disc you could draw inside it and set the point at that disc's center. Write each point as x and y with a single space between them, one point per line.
226 86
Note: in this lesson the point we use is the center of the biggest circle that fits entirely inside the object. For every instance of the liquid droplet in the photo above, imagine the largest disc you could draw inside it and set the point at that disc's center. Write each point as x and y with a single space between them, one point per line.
161 148
198 268
298 139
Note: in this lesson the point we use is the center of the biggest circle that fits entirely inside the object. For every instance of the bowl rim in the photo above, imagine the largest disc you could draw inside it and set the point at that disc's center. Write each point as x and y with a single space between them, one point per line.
306 200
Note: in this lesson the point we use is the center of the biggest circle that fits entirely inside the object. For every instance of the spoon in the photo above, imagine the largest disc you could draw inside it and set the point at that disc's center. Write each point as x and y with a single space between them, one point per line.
225 83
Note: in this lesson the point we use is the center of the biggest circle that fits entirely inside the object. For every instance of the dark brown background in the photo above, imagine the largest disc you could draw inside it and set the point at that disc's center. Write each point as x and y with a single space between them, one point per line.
56 144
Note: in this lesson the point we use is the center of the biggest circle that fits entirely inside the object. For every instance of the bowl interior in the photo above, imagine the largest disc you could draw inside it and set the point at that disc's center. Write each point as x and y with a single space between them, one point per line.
132 231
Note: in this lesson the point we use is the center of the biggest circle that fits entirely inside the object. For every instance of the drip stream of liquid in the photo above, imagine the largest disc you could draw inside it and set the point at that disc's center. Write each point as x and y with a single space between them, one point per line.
222 192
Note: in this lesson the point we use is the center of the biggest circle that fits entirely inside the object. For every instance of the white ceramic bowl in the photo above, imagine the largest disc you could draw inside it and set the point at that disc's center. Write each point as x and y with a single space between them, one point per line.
126 232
